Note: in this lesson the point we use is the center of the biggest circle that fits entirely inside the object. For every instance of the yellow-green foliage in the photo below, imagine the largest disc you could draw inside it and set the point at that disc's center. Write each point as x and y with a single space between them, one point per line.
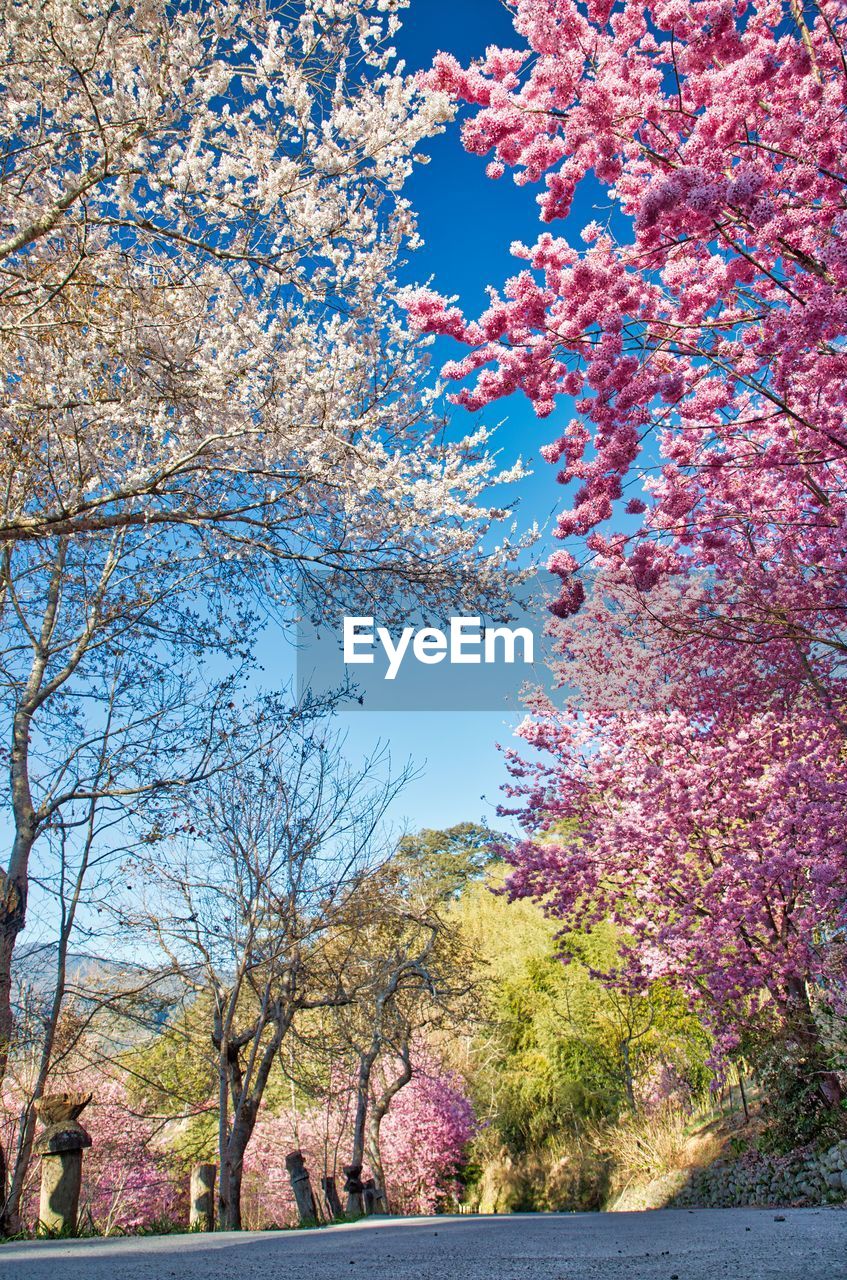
558 1048
175 1071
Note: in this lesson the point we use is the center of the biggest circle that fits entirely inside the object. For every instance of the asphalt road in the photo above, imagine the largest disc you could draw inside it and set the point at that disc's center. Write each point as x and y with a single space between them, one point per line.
706 1244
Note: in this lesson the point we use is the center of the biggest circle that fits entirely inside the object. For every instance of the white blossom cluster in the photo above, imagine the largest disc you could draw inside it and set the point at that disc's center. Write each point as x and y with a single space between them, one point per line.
200 223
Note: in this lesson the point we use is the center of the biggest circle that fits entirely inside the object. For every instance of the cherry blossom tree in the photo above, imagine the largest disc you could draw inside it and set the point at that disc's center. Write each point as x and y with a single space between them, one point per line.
697 762
700 327
425 1136
686 793
201 216
129 1181
209 391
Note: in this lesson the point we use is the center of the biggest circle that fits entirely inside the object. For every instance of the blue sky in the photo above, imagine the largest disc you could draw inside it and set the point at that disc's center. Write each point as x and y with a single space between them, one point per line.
467 222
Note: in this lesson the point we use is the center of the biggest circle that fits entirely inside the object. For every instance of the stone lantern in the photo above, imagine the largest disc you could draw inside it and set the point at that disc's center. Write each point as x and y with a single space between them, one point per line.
60 1145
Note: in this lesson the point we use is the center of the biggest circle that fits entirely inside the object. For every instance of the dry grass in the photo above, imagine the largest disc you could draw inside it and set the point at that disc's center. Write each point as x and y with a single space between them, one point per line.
593 1170
569 1175
659 1149
648 1146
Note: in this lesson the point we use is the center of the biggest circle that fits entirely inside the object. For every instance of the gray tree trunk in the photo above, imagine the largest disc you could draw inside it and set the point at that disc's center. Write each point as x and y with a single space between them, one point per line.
231 1176
334 1207
379 1110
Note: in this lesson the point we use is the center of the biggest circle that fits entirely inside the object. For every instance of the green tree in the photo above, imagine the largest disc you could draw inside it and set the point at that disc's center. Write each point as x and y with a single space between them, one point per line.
558 1046
448 860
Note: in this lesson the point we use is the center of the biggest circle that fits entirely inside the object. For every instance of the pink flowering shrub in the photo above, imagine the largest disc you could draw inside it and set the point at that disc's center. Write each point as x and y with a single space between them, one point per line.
266 1196
128 1181
424 1138
662 1086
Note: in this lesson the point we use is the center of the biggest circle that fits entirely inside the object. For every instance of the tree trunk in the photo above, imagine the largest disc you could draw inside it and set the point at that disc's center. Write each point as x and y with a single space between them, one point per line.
13 899
743 1093
375 1161
379 1110
247 1098
14 883
627 1077
232 1165
801 1023
229 1187
334 1207
366 1061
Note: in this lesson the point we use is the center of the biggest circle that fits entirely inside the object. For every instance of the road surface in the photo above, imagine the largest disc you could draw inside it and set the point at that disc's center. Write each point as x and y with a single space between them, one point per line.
675 1244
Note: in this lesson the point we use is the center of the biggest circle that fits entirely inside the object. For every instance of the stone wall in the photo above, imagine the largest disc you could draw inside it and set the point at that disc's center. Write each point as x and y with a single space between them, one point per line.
800 1178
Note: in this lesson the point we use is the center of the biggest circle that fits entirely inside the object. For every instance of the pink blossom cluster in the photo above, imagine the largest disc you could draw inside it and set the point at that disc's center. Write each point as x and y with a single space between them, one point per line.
698 789
129 1181
692 785
709 340
661 1088
128 1178
423 1140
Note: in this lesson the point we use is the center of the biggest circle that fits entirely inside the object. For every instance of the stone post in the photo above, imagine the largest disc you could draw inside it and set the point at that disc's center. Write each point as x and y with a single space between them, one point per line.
369 1196
302 1188
60 1145
355 1206
334 1206
201 1214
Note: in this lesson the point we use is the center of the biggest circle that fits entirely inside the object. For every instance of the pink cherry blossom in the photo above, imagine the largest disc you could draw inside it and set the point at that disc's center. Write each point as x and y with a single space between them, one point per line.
689 780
